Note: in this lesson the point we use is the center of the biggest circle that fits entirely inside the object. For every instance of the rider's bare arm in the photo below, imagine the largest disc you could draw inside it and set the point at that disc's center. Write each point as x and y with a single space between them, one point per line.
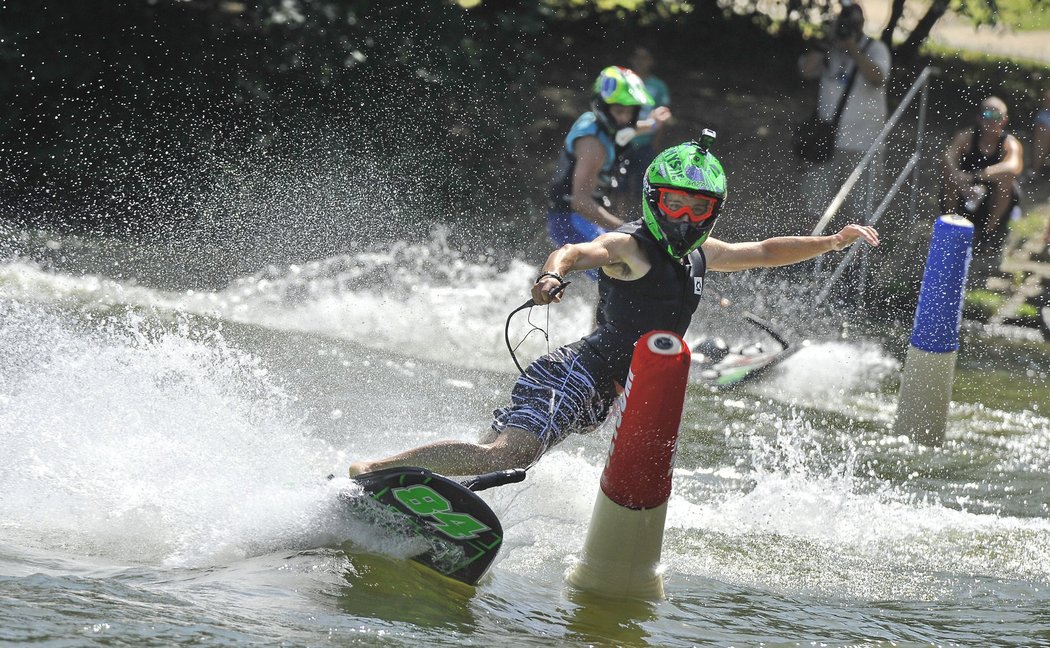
865 64
616 253
590 156
953 158
781 250
657 118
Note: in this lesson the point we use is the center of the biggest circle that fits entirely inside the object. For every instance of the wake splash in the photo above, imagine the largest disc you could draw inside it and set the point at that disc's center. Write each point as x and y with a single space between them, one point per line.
135 434
147 443
428 301
808 510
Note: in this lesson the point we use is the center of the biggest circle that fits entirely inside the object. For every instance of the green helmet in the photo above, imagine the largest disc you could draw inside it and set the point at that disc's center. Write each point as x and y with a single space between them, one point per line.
683 191
621 87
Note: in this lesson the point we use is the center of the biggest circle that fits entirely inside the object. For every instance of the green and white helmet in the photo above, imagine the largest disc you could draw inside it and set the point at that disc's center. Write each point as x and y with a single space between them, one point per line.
621 87
682 194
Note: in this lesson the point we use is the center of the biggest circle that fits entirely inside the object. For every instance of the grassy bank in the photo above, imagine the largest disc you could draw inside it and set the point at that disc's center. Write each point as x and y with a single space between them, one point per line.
1022 15
968 77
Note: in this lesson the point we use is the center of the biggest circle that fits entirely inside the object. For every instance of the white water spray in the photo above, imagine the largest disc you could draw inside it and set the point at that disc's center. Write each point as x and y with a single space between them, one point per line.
148 443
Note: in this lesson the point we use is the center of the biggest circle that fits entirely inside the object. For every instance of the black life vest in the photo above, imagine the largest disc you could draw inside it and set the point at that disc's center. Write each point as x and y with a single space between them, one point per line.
665 298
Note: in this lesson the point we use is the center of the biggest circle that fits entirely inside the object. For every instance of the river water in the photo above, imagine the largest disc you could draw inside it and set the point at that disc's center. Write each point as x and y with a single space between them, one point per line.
166 447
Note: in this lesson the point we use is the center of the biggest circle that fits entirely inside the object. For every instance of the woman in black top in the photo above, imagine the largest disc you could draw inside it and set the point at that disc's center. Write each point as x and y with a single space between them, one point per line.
981 168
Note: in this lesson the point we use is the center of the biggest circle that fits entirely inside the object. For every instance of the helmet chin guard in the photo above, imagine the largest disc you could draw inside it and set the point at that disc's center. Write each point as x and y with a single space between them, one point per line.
625 135
683 238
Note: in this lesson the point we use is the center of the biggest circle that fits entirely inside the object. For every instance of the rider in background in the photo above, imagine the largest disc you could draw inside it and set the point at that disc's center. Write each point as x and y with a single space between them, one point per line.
644 146
590 161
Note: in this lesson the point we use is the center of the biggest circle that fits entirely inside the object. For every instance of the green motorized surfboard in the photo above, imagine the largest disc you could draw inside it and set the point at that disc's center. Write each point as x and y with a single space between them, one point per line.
460 533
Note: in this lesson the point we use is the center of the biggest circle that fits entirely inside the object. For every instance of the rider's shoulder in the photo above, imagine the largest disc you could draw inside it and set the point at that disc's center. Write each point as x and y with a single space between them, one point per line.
617 239
625 254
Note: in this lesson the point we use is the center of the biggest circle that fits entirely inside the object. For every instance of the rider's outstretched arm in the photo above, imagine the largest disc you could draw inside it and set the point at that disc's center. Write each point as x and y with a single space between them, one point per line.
782 250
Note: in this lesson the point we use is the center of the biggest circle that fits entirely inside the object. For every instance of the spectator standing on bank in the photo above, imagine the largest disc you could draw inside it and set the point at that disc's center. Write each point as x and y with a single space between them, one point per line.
579 203
1041 137
1041 152
643 147
981 167
849 60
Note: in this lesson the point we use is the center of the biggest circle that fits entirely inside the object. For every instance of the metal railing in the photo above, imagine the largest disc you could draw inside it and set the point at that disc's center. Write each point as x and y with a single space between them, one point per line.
920 87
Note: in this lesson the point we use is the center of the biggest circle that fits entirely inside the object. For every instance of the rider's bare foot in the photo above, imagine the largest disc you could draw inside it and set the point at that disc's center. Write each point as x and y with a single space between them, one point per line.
359 468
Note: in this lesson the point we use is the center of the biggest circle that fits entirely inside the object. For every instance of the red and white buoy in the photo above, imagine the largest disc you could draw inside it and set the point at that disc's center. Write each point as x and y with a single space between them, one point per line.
621 556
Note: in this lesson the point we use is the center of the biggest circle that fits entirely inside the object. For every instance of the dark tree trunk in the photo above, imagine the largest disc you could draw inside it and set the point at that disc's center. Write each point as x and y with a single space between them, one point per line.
791 30
910 47
896 11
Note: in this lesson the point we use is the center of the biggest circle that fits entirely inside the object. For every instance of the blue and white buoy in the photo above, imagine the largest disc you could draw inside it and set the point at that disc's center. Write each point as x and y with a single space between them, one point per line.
929 368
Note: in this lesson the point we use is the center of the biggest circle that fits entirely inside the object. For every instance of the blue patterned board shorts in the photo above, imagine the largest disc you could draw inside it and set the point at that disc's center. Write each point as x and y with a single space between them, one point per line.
555 397
1043 117
570 227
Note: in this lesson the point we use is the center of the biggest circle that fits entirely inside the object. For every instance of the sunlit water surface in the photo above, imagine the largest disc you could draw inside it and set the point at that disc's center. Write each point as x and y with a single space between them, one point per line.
166 453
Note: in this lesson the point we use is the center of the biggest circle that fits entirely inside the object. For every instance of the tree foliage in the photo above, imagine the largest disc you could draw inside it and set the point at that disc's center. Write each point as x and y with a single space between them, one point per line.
113 106
103 98
978 12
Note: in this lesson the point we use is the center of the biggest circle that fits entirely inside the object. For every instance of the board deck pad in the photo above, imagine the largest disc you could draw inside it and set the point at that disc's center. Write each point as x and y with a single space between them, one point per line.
460 532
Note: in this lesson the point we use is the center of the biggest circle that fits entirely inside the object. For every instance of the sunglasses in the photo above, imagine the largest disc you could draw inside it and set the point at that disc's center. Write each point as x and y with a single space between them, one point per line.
676 204
991 115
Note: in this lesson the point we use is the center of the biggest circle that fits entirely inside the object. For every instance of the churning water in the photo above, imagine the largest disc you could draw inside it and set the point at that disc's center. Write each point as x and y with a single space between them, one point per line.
165 453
